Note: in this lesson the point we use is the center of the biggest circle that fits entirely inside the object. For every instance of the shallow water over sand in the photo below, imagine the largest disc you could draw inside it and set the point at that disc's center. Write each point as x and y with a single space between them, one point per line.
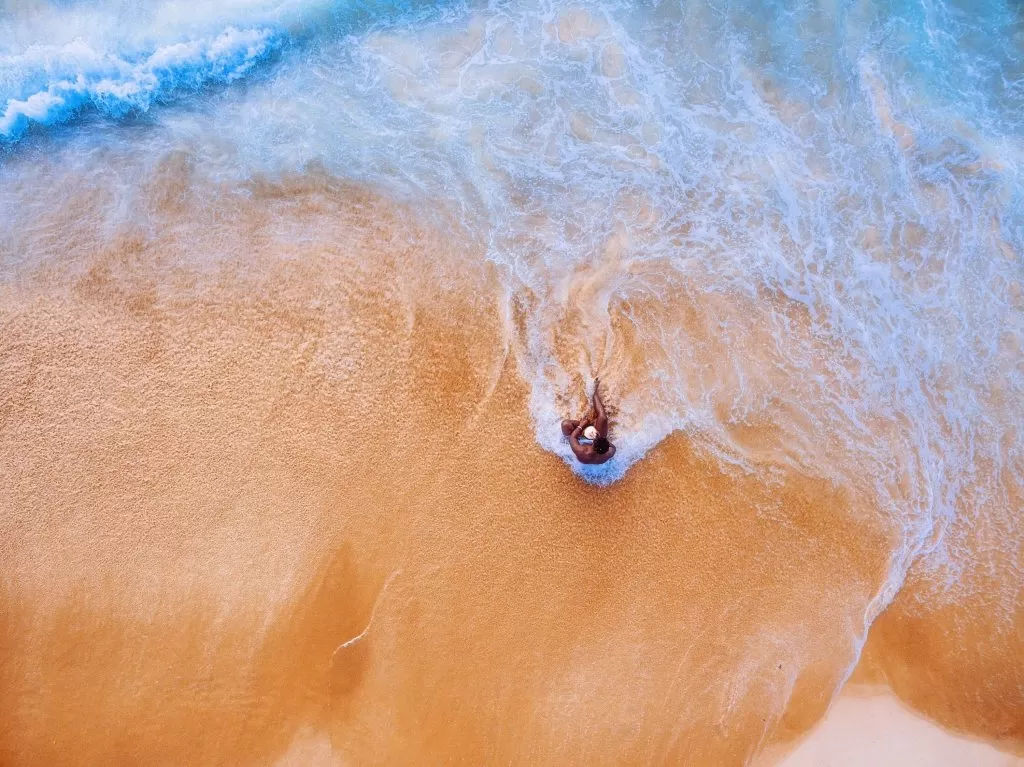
284 359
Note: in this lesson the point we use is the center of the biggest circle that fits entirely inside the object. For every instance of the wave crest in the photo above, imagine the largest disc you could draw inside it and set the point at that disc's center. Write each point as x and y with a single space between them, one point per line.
63 80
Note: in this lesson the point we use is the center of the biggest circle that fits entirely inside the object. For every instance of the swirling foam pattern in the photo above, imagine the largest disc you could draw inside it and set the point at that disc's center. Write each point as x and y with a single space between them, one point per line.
790 230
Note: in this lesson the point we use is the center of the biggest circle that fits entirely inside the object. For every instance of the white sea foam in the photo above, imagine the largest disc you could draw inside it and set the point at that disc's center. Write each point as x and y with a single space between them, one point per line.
116 59
78 76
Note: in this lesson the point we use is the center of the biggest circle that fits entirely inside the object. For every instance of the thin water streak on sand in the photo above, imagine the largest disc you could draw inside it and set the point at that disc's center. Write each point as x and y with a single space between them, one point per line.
362 634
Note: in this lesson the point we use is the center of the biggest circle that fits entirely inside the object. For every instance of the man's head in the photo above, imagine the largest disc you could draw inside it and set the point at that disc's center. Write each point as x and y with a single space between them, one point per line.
601 445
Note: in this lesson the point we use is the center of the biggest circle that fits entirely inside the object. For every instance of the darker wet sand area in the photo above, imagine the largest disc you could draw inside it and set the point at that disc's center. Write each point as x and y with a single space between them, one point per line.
284 503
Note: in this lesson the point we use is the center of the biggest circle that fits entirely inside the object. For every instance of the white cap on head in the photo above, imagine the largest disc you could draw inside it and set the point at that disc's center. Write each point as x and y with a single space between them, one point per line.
590 432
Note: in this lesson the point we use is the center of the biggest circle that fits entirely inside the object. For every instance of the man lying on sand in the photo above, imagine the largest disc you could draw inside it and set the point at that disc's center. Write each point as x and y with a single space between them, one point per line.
597 448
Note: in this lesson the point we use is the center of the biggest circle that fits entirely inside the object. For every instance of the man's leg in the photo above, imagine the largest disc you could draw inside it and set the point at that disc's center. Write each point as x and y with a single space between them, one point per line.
568 427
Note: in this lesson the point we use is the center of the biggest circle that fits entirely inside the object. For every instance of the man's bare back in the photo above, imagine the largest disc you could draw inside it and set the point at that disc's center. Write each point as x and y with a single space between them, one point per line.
598 451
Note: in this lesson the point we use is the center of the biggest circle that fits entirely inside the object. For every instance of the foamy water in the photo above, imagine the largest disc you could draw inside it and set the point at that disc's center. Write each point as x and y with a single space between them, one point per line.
807 218
791 231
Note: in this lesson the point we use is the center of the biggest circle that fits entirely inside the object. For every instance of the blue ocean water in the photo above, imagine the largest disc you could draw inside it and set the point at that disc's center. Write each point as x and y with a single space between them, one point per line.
791 230
63 61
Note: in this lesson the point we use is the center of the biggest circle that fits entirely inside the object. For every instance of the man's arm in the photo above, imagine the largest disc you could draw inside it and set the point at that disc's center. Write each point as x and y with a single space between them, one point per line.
601 421
574 438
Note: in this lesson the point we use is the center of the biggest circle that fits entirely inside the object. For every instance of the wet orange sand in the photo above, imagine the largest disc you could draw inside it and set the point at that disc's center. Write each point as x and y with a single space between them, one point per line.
269 497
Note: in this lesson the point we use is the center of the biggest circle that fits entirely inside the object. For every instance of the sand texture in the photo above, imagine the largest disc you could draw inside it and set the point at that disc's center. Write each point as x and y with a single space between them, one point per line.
276 498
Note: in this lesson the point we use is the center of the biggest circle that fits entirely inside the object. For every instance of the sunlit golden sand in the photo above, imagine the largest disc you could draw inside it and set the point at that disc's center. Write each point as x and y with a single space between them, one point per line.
287 505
